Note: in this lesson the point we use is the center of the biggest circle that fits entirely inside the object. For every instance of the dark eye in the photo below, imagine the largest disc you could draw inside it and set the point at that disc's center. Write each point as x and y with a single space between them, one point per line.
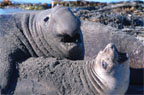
46 19
104 64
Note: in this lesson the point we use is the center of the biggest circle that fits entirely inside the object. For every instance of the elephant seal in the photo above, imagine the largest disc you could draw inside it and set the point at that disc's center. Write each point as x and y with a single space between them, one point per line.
107 74
96 36
48 33
110 71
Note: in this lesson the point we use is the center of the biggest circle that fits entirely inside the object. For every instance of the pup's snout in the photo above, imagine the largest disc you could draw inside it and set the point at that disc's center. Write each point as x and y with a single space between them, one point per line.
111 47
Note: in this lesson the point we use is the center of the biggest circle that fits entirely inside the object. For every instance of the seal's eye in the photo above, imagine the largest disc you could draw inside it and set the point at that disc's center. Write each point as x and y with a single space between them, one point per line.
46 19
104 64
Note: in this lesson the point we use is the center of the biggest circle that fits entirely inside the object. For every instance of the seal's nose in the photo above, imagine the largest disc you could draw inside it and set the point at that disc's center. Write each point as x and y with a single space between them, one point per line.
111 51
115 54
111 47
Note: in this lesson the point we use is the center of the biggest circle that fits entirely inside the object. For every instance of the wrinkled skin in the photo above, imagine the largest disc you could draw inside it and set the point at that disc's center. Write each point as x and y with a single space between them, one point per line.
112 70
96 36
37 33
65 28
107 74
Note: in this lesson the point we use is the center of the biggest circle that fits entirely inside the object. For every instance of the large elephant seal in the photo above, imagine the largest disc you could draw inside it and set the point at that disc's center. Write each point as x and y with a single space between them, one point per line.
96 36
49 33
107 74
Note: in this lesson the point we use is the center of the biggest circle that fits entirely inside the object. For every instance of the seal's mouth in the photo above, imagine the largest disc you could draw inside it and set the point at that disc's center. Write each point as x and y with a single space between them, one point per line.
116 56
71 46
70 42
122 57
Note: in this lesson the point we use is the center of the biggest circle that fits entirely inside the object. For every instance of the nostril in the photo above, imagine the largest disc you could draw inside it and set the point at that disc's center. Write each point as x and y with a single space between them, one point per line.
110 48
113 47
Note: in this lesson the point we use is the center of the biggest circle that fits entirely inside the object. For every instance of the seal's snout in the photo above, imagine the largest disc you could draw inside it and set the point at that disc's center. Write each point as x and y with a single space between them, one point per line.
117 56
111 49
73 39
65 26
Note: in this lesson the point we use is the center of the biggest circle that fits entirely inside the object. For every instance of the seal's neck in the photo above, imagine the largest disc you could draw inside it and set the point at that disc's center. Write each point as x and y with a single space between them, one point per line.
106 83
33 34
97 84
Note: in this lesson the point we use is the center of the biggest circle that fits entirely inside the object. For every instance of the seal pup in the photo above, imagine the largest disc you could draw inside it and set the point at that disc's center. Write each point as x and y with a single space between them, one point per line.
107 74
96 36
48 33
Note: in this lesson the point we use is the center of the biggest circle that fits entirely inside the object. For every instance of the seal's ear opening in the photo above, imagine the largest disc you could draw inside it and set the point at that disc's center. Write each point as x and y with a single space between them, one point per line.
46 19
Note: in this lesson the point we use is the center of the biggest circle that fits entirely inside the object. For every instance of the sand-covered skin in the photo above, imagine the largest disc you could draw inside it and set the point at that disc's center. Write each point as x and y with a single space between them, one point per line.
66 77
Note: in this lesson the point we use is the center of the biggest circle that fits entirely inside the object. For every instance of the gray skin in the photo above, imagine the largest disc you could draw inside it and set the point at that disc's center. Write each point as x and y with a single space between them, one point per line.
49 33
107 74
96 36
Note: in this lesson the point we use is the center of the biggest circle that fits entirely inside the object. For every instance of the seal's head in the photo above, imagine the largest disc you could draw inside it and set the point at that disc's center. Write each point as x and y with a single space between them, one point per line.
63 28
112 69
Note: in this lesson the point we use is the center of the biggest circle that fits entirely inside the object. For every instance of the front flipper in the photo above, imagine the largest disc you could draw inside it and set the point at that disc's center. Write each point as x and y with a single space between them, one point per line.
10 54
6 70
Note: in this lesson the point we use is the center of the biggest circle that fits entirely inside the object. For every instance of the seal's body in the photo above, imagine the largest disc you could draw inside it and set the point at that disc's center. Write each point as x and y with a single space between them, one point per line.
45 33
107 74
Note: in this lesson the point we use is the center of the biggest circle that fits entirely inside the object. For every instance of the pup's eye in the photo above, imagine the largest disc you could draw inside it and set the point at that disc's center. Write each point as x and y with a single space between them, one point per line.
104 64
46 19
